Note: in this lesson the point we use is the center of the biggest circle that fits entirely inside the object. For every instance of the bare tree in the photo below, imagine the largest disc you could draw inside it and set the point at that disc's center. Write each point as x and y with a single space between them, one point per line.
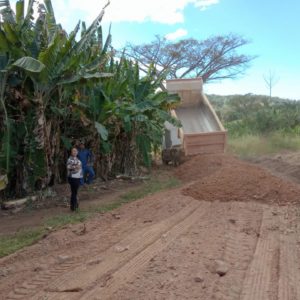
213 59
271 79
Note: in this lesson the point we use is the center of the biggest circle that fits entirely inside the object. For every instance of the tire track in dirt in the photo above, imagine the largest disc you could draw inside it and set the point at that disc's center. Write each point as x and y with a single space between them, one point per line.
114 257
127 271
289 277
239 222
54 268
241 239
27 288
27 263
170 274
80 253
261 281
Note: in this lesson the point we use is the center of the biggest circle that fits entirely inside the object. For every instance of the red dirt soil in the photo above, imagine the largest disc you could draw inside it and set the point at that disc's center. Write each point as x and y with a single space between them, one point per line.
98 194
225 178
229 241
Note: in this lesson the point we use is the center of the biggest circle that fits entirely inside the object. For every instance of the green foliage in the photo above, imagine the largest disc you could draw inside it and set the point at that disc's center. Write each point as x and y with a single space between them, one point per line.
13 242
128 110
102 131
57 88
258 125
254 114
10 244
151 187
64 219
248 146
29 64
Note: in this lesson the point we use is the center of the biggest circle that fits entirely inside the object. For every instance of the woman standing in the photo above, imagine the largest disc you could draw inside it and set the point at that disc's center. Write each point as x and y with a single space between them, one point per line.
74 168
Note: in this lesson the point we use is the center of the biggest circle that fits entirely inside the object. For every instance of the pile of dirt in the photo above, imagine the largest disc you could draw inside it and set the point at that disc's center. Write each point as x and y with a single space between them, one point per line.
224 178
199 166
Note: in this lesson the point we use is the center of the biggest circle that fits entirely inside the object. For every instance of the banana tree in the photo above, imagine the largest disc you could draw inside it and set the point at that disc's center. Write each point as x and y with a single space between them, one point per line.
133 111
67 62
7 74
12 34
143 115
46 62
57 86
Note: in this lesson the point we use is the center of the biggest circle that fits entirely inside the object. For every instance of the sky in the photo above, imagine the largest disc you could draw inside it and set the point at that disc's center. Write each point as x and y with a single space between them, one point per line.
272 26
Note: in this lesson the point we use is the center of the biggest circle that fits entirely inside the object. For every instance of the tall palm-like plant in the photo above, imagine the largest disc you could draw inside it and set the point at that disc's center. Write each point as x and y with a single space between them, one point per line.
133 110
15 34
42 60
57 87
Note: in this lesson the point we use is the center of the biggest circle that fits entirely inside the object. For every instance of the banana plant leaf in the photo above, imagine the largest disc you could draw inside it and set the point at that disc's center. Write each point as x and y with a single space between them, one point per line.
4 47
67 142
20 11
102 131
51 22
86 76
10 33
29 64
6 12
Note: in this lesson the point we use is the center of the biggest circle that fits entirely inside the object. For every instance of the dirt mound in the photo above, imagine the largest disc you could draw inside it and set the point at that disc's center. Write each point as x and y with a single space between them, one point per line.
225 178
199 166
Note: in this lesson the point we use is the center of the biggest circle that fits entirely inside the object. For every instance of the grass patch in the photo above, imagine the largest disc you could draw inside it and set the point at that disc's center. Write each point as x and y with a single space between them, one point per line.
11 243
150 187
249 146
64 219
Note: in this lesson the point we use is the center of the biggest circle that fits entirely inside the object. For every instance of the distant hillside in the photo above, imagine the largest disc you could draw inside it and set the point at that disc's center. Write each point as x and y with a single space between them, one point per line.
257 113
219 101
228 97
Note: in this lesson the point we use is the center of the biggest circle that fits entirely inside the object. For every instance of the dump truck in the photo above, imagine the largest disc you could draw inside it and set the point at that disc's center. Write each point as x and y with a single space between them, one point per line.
201 131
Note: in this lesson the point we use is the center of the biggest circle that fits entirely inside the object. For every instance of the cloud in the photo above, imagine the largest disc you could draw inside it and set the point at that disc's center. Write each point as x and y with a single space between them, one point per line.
177 34
204 4
160 11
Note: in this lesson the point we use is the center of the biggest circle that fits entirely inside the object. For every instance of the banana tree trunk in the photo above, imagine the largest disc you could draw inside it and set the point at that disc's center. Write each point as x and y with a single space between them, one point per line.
126 154
42 133
3 82
57 154
130 156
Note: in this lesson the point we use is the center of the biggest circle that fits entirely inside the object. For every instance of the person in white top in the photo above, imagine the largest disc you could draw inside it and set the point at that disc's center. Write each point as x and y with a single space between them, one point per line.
75 174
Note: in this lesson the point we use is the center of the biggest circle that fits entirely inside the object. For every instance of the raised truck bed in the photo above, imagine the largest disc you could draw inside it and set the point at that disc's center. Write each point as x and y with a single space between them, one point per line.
202 131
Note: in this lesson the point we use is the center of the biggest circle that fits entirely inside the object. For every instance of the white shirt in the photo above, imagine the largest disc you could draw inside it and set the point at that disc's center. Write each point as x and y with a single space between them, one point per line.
74 167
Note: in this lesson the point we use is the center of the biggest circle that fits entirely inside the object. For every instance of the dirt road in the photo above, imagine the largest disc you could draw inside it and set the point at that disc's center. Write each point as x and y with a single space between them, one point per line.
176 244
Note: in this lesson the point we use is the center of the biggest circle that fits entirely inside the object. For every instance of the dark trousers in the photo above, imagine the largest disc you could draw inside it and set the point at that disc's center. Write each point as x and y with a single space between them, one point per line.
88 175
74 184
